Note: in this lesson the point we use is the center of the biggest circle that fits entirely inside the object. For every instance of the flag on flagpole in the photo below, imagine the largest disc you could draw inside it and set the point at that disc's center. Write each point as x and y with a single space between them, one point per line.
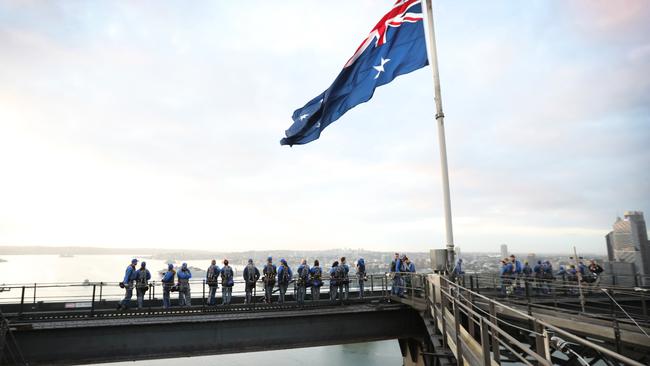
395 46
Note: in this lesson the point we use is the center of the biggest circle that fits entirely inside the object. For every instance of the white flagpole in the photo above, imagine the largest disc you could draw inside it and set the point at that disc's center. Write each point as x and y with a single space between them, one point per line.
440 119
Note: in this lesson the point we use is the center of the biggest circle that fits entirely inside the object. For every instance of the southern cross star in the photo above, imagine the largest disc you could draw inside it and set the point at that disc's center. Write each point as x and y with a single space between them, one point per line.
380 67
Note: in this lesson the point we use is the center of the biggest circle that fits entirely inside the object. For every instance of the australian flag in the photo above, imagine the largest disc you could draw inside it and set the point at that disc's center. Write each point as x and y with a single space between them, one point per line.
395 46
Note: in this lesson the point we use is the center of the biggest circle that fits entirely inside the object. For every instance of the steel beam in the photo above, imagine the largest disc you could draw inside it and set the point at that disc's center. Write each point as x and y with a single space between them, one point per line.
105 340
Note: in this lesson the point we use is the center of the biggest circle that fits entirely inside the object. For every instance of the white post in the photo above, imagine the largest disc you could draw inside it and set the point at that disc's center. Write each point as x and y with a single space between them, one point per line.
440 119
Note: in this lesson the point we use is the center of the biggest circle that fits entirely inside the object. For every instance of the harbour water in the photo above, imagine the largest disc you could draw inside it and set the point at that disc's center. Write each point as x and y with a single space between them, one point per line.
26 269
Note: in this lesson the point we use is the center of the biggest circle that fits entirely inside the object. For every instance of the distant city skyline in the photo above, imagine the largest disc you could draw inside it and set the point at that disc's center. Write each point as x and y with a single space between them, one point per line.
158 126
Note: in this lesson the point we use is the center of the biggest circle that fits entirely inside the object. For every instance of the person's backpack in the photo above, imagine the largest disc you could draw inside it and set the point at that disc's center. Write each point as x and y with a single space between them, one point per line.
339 274
269 274
285 275
303 276
251 273
213 275
141 281
227 276
316 276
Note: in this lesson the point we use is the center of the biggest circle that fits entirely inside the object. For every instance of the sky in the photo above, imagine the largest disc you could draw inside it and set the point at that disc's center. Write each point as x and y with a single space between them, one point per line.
157 124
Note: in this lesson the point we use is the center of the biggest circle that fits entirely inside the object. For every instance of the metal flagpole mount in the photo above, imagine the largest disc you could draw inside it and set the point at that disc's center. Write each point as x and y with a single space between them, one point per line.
440 119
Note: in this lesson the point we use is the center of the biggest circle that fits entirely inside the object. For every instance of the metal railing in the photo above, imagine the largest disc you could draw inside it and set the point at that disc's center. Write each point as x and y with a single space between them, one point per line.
462 314
475 319
547 293
87 295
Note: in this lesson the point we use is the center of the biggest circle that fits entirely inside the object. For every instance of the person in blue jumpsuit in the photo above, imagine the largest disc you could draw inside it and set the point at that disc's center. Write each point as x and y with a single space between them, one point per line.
572 277
167 284
506 276
516 272
284 278
316 279
344 286
302 282
251 275
212 279
361 276
270 271
142 277
396 268
409 268
127 284
548 277
334 282
184 294
582 269
227 282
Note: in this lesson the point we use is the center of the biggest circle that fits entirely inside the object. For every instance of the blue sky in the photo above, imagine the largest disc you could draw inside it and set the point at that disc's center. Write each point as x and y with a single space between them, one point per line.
158 124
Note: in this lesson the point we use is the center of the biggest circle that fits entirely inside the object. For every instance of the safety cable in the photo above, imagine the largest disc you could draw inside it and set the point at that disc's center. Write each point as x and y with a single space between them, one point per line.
628 315
499 320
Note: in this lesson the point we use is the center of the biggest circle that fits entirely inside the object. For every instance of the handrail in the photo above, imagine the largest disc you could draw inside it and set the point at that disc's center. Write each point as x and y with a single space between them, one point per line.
546 326
79 291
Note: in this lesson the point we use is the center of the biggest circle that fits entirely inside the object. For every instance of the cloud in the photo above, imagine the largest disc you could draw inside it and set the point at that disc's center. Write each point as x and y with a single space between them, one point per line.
159 126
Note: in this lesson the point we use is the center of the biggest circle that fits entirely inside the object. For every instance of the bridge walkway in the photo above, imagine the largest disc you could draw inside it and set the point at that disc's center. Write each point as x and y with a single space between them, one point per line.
437 323
480 330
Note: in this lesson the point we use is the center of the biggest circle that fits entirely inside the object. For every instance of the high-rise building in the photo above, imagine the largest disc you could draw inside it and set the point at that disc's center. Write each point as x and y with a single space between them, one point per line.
504 251
628 242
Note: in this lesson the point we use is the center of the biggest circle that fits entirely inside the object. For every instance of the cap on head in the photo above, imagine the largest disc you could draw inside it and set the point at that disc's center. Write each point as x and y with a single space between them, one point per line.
283 261
170 266
269 259
184 265
134 261
143 264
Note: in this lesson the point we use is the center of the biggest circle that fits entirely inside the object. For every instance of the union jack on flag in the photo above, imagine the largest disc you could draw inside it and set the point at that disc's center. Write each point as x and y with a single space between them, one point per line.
395 46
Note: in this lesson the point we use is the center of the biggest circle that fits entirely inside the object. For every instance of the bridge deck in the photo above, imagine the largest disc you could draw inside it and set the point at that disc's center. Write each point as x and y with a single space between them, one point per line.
137 336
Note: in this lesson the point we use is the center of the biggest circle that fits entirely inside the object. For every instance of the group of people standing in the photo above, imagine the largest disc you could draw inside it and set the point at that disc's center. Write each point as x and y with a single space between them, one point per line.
400 269
134 278
307 277
514 275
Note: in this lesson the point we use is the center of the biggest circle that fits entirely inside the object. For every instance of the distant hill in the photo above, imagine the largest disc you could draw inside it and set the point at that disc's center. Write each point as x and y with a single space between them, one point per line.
27 250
